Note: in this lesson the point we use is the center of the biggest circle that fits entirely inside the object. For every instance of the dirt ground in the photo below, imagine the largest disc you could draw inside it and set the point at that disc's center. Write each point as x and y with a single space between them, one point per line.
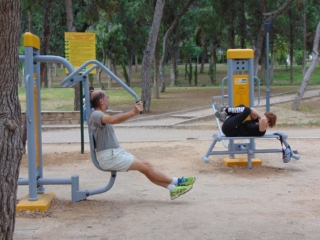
272 201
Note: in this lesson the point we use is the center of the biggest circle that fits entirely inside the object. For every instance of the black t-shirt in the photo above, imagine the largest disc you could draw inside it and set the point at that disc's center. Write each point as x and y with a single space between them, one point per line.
250 128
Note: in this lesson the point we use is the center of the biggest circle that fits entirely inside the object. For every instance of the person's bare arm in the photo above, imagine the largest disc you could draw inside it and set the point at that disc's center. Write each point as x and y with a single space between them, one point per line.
254 114
263 124
122 117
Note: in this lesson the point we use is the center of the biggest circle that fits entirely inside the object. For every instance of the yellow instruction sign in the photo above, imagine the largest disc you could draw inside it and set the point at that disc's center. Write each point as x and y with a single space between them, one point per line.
241 90
79 48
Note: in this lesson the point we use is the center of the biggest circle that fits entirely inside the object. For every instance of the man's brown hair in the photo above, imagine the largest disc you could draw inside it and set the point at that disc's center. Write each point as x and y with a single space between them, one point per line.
272 118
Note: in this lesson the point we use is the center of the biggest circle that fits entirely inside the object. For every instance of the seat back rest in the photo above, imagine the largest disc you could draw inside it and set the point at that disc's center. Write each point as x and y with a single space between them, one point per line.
93 146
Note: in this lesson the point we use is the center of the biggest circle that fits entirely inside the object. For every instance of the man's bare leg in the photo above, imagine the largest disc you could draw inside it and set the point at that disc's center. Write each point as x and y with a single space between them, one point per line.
151 172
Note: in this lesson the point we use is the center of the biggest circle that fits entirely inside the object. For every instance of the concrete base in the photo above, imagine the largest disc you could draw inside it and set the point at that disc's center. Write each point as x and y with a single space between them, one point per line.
241 162
42 204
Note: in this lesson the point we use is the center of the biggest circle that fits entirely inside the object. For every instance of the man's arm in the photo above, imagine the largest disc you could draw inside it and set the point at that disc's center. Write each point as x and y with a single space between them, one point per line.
122 117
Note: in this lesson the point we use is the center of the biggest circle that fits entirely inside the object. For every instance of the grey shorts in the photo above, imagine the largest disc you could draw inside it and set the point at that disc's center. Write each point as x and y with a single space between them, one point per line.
115 159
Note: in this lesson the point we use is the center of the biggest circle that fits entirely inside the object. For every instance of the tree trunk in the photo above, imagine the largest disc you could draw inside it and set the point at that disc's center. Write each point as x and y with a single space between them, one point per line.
136 63
72 28
304 20
11 144
259 41
45 40
109 78
156 76
114 65
50 75
291 28
129 68
306 77
148 55
100 69
173 70
203 58
165 40
30 23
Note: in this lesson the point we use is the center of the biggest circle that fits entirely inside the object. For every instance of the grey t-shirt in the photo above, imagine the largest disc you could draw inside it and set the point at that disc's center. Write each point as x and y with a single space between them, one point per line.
103 133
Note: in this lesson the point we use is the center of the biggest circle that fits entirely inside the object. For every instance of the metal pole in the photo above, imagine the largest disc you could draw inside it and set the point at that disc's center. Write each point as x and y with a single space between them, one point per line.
267 24
267 75
81 118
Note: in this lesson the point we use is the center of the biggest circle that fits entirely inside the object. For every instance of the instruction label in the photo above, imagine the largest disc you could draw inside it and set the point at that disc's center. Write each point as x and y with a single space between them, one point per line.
79 48
241 88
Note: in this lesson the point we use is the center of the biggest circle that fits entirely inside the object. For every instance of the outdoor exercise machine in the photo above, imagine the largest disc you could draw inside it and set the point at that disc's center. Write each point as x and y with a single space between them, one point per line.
241 91
37 197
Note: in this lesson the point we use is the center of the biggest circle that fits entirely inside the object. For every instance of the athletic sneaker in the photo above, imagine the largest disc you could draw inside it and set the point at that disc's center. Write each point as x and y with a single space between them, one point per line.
218 106
178 191
186 181
222 116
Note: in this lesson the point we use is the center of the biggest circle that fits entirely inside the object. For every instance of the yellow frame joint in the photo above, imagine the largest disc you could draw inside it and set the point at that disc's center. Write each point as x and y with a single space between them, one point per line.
31 40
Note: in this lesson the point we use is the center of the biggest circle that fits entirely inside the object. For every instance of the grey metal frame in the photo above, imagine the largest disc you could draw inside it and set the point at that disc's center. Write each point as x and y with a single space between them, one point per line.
35 175
246 148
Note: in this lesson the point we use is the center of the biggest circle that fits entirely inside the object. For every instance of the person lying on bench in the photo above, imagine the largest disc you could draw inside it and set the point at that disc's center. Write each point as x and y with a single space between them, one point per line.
234 123
111 156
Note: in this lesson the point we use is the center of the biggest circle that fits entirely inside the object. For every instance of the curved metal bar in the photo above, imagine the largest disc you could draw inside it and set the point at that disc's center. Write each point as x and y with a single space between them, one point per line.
69 81
51 58
106 188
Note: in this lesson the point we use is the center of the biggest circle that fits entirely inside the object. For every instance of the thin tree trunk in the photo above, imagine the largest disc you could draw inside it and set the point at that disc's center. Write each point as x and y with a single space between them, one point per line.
72 28
50 75
11 144
204 56
306 77
173 70
291 54
156 76
30 22
304 33
45 40
136 63
148 55
100 69
55 69
109 78
129 68
165 40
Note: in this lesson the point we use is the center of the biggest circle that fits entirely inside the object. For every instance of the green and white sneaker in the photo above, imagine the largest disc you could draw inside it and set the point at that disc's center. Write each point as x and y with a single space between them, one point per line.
186 181
178 191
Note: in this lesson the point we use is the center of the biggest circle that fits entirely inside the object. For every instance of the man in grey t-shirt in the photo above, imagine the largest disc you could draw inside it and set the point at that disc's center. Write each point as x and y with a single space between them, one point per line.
112 156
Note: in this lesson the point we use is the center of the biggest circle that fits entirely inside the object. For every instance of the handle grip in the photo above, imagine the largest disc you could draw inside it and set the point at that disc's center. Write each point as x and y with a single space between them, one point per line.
137 102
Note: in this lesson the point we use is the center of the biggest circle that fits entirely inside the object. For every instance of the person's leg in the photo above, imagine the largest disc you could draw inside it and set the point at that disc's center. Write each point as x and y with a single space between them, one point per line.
152 173
237 116
176 187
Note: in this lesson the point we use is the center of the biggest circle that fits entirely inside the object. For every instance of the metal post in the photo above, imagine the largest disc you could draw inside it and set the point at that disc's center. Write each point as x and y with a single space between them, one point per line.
81 118
267 25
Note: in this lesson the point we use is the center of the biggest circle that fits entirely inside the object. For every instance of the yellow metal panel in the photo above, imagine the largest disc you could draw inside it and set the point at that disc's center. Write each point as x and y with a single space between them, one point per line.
42 204
240 53
241 90
241 162
31 40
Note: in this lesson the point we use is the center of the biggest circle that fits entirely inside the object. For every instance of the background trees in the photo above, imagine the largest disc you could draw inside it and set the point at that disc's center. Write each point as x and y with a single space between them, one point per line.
189 32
